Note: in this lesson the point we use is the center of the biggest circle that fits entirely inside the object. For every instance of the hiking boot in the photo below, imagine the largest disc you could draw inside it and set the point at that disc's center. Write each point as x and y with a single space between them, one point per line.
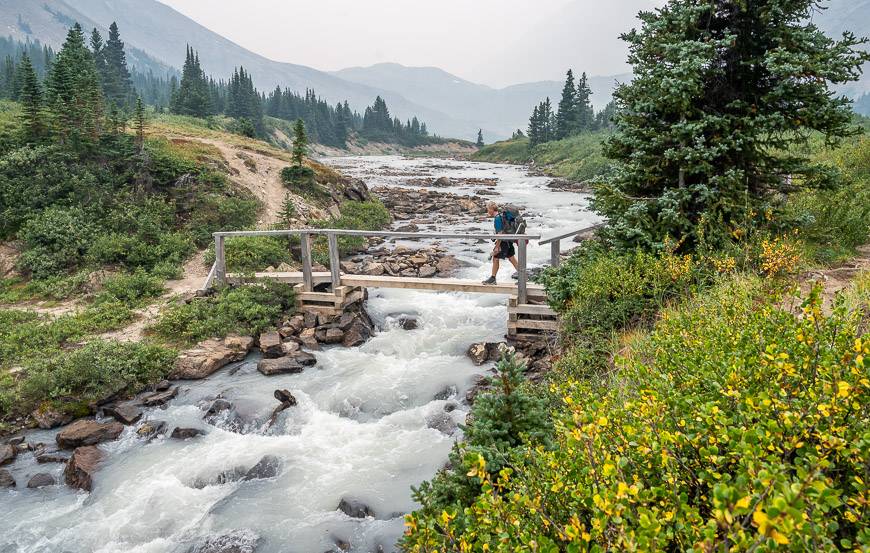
490 280
516 275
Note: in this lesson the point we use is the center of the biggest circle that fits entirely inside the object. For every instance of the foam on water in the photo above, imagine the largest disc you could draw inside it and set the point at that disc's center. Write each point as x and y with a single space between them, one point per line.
360 429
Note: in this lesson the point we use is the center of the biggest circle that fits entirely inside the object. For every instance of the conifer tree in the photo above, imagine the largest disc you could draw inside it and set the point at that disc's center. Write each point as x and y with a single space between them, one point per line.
747 82
535 127
584 114
139 122
117 86
73 93
192 96
566 118
287 212
31 100
300 143
98 50
480 143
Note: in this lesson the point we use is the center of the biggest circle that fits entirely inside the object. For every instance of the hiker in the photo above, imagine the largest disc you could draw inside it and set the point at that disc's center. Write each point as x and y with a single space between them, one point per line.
507 221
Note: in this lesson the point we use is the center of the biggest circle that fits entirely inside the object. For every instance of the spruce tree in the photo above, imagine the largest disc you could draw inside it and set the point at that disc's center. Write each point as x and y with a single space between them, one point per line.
192 97
117 86
139 122
566 119
535 127
300 143
584 114
31 100
709 131
73 94
480 143
98 50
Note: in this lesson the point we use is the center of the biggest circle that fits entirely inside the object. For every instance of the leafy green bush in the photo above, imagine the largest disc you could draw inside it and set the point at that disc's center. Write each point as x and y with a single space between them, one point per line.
249 254
735 425
228 210
56 240
131 289
502 419
368 215
244 310
95 370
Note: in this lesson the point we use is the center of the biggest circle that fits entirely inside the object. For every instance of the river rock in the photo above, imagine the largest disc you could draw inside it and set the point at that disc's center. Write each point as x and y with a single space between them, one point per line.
151 429
125 413
482 352
6 479
209 356
308 340
88 432
284 396
218 406
442 422
47 417
304 358
180 433
238 541
329 335
54 456
41 480
158 398
282 365
290 347
426 271
355 508
7 453
271 345
268 467
82 466
442 182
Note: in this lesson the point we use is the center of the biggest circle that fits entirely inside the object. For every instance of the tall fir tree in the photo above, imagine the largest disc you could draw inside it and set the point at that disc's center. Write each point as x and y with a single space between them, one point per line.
584 114
73 94
746 84
300 143
534 129
31 100
192 96
139 124
117 85
566 118
98 50
480 143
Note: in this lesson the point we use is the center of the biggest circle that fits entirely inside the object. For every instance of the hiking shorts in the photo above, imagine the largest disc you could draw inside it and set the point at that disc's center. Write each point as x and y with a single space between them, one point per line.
505 250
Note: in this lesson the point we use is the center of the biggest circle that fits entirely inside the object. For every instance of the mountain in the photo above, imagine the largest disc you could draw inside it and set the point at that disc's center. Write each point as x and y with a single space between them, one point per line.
162 34
501 110
848 15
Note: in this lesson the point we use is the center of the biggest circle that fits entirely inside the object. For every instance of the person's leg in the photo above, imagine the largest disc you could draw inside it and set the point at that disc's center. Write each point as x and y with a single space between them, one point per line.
513 261
495 264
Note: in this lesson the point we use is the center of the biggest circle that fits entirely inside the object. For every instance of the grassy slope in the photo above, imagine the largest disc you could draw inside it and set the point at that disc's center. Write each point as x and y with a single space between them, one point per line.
577 158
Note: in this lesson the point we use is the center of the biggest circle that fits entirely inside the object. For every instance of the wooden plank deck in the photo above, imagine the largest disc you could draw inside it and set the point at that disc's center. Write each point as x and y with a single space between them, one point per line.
410 283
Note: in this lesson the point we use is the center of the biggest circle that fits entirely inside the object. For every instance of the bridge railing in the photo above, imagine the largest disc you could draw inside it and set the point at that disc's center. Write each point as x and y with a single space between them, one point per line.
555 241
218 273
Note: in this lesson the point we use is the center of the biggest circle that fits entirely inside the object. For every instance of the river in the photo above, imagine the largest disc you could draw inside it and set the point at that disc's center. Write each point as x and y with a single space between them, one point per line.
359 431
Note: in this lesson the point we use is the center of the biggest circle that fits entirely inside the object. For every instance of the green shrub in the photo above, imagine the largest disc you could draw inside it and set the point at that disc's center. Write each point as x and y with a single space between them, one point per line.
244 310
249 254
229 210
132 289
56 240
736 425
506 417
95 370
368 215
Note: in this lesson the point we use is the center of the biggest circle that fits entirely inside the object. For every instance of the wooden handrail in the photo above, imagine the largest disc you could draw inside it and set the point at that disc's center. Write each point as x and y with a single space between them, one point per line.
378 233
555 241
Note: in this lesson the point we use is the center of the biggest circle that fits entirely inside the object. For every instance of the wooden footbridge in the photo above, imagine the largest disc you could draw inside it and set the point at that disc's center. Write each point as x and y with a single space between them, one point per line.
330 292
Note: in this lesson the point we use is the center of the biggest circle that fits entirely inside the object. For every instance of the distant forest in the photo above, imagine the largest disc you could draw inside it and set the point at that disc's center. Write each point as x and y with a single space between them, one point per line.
192 92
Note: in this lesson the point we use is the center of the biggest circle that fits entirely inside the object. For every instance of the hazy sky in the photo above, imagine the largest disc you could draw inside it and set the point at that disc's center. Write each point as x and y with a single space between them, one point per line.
480 40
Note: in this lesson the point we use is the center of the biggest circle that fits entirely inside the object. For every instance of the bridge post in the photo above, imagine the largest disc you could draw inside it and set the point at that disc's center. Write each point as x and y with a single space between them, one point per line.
522 292
220 261
555 251
334 265
305 243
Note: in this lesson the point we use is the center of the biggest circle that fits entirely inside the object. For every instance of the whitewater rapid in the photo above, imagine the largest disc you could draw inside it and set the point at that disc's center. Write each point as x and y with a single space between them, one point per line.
361 429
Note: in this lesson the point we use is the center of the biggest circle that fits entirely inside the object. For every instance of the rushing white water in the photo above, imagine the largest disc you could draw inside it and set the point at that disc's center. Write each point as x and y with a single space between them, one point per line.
359 431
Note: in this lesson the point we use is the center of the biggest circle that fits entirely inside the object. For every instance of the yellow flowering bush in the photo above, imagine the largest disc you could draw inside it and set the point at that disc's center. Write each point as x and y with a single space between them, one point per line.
733 426
779 256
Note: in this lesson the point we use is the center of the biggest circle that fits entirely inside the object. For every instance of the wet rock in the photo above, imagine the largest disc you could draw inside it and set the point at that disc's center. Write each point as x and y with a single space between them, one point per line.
284 396
15 440
293 326
309 320
442 422
82 466
268 467
7 453
282 365
223 477
450 406
88 432
6 479
151 429
162 386
49 417
219 406
374 269
427 271
357 334
308 340
355 508
271 345
54 456
290 347
482 352
180 433
158 398
447 392
304 358
209 356
442 182
125 413
41 480
411 227
330 335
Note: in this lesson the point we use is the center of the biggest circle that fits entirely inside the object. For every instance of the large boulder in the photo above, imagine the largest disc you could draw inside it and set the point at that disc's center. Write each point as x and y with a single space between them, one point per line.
185 433
8 453
209 356
151 429
482 352
82 466
125 413
48 417
53 456
282 365
329 335
88 432
159 398
271 345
